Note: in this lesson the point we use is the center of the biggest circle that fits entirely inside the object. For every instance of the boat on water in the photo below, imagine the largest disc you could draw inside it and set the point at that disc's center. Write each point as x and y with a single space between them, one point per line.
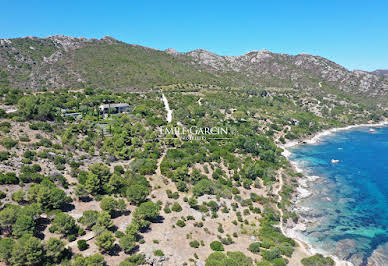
334 161
372 130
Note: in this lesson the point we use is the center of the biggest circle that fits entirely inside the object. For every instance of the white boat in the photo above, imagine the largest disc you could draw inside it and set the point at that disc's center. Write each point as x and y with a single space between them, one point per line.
334 161
371 130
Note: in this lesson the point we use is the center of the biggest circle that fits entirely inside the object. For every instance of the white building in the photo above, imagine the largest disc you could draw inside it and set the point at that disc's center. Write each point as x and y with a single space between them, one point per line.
114 108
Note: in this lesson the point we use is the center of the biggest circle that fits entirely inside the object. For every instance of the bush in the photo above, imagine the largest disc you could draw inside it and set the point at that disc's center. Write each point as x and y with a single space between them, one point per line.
220 228
181 186
172 195
216 246
2 195
279 262
204 186
8 178
9 143
317 260
254 247
158 252
230 258
176 207
82 245
119 234
271 254
194 244
4 155
167 209
136 259
18 196
180 223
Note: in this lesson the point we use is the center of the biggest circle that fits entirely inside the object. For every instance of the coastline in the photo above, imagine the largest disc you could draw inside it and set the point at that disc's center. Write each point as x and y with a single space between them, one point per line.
316 137
306 248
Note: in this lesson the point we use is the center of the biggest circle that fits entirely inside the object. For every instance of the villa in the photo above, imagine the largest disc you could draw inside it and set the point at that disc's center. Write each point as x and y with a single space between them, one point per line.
114 108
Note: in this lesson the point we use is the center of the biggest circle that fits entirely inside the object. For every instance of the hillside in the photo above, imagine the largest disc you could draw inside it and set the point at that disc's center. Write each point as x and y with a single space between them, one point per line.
111 189
81 186
381 72
68 62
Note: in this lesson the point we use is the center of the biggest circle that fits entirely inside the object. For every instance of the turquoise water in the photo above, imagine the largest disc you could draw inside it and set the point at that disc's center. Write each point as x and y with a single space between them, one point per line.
349 203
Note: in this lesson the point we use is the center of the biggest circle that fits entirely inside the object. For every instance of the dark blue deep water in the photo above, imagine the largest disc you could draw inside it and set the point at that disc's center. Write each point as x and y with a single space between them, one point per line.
349 203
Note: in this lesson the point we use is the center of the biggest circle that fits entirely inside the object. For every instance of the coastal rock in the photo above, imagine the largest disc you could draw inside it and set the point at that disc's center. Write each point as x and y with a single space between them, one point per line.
379 256
156 260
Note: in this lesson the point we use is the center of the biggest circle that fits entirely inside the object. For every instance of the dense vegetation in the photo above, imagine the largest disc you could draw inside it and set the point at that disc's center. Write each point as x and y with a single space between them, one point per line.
73 183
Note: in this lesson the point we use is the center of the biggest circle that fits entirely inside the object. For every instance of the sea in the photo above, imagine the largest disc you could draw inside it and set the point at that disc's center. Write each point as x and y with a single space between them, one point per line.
345 209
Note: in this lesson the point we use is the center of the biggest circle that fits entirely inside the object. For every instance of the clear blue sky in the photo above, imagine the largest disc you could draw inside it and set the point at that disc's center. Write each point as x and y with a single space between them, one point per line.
351 33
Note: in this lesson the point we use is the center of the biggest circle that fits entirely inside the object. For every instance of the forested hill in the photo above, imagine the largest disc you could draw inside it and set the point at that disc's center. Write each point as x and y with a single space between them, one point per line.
68 62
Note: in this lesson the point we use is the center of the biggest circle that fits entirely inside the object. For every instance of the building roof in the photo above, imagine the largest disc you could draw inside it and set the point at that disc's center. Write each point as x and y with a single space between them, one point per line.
114 105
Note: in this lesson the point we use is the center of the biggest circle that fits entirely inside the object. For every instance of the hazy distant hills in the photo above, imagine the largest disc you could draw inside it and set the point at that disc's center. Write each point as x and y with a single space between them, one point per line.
69 62
382 72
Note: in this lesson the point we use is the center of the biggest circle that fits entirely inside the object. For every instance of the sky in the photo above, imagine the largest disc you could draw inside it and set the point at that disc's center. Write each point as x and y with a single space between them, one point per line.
351 33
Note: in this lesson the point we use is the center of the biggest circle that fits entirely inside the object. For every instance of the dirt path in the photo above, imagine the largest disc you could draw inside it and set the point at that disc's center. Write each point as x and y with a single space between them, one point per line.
169 111
301 251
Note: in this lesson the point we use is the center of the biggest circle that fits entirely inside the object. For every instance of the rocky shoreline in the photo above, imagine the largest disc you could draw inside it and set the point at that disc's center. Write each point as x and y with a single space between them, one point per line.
307 218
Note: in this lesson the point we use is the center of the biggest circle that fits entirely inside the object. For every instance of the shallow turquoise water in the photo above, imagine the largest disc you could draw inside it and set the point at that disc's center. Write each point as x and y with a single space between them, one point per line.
349 204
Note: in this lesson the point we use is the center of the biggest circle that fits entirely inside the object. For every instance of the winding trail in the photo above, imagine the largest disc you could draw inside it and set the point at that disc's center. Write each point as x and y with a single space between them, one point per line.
301 245
167 107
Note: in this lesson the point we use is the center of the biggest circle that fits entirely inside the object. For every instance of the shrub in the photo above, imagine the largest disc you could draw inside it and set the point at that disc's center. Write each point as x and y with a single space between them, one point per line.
158 252
9 143
226 240
119 234
8 178
4 155
82 245
181 186
136 259
279 262
176 207
194 244
172 195
180 223
204 186
216 246
271 254
213 205
230 258
254 247
18 196
192 202
167 209
24 138
317 260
